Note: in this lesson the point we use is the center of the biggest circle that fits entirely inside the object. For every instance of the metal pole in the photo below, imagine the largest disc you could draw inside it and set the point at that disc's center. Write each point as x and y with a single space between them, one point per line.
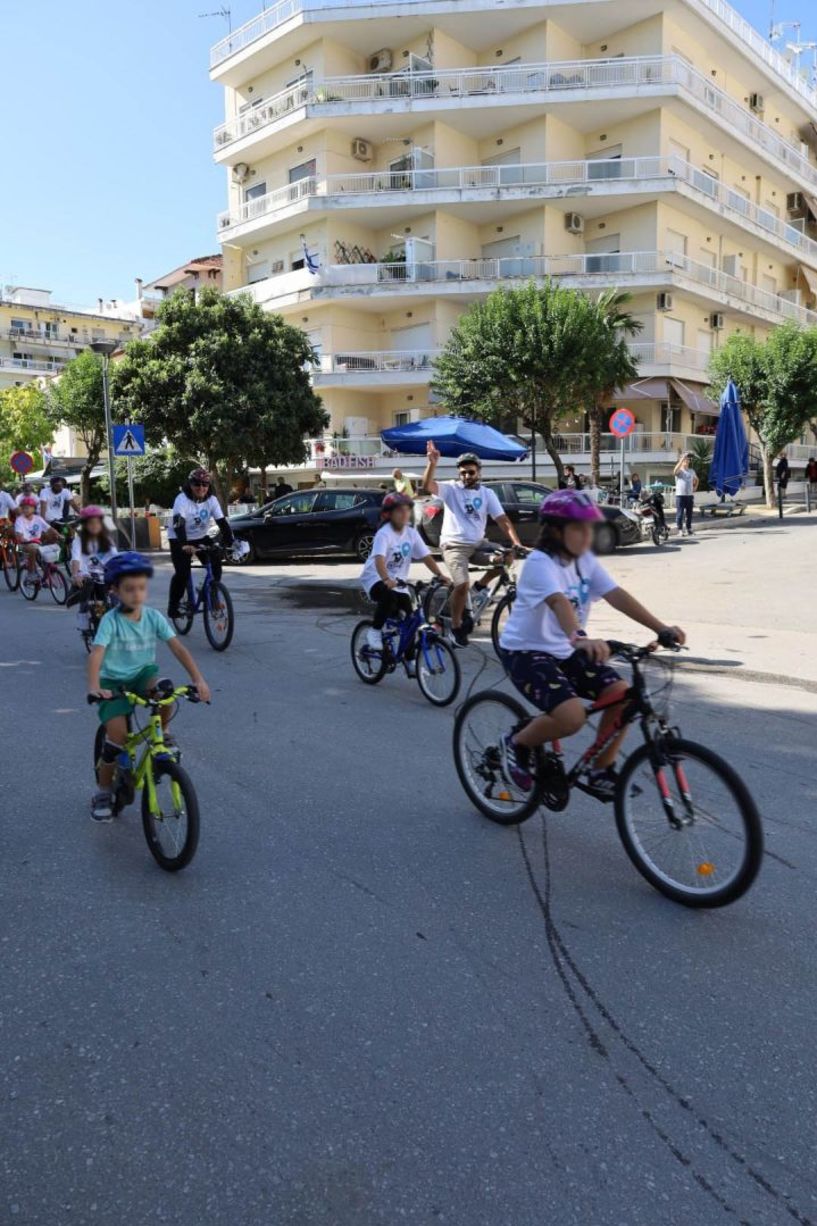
621 477
132 509
109 437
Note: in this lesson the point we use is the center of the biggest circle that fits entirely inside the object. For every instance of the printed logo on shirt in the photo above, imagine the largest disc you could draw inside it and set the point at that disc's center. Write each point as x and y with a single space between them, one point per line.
473 505
398 556
578 594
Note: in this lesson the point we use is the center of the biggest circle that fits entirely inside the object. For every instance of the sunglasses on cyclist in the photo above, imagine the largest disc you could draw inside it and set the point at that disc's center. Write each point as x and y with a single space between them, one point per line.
469 472
201 484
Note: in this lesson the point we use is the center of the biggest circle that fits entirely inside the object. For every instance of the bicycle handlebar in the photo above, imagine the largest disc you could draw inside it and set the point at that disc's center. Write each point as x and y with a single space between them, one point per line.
162 697
632 652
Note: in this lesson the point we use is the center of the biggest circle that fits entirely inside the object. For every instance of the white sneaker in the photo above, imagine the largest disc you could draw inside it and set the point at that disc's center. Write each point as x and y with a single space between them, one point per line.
374 639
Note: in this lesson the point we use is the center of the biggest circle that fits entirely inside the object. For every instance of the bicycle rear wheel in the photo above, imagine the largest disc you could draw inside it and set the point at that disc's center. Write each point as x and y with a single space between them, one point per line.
57 585
172 832
501 614
219 619
30 582
479 730
713 854
370 665
438 670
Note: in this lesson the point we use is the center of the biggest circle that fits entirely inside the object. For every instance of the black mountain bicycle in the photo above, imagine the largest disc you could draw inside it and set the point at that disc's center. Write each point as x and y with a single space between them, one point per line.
211 597
685 817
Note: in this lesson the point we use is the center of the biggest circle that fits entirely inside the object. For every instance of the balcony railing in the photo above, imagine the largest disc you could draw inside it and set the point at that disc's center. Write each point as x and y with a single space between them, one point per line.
662 353
277 14
521 178
44 368
618 265
376 361
664 443
574 76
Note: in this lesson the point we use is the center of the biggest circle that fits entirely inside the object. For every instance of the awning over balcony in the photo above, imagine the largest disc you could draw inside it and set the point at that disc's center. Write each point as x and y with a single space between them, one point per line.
644 389
810 278
694 398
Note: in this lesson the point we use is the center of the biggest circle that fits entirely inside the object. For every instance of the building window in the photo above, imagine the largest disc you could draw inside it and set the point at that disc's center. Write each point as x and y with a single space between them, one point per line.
304 170
403 418
253 193
18 325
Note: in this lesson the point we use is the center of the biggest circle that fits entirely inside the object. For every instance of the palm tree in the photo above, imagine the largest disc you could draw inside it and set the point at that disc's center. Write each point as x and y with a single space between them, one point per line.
611 364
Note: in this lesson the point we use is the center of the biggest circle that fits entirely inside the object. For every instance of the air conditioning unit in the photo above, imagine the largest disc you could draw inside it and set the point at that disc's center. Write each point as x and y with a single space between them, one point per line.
574 223
362 150
241 172
381 61
757 103
716 322
663 302
795 203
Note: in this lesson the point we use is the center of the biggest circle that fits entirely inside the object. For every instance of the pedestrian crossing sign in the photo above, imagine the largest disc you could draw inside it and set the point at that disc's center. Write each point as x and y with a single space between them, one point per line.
129 440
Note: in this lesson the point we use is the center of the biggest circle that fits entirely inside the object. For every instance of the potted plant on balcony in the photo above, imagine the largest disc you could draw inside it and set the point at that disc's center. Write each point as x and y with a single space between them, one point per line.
394 256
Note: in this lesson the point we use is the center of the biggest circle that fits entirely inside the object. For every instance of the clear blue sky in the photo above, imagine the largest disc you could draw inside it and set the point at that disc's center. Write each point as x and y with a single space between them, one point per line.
105 156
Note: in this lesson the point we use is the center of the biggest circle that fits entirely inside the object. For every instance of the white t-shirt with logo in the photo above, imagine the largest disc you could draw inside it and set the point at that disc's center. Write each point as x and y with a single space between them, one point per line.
196 516
684 481
55 503
92 562
20 498
7 504
398 549
30 529
466 512
532 624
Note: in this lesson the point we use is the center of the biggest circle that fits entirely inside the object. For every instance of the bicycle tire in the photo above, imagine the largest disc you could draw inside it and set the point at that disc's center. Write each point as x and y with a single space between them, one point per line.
184 619
734 888
516 715
28 591
11 571
99 741
181 780
437 604
498 621
218 588
57 586
378 669
435 643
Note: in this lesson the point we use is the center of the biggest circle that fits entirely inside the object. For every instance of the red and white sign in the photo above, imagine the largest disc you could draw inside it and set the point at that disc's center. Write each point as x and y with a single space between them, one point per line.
622 423
21 462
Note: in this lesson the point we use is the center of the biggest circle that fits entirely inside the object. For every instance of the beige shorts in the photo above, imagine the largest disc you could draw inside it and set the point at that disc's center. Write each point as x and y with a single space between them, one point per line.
457 557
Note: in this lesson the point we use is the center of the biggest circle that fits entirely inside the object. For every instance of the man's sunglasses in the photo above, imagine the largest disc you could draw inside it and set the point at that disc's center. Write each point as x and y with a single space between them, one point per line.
469 472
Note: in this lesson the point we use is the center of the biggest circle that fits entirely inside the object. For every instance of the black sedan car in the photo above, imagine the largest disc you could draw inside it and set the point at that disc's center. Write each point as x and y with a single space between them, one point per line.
521 501
312 521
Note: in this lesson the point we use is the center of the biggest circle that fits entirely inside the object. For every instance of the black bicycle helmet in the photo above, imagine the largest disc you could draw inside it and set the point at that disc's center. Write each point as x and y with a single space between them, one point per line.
468 457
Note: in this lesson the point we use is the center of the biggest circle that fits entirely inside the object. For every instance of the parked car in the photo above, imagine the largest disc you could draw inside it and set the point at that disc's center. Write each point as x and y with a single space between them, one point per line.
312 521
521 501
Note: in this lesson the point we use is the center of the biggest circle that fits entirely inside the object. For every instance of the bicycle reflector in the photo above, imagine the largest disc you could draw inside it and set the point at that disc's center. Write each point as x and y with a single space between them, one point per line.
706 868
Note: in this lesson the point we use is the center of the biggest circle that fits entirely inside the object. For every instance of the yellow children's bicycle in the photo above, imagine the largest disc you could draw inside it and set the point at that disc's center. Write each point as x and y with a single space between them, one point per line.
170 808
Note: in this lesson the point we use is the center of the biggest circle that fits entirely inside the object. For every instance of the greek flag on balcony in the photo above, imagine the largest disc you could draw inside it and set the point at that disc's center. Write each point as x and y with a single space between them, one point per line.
311 261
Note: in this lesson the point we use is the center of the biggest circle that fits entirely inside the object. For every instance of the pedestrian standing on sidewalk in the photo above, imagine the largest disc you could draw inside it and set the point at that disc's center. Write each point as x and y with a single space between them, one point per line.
782 472
686 483
811 477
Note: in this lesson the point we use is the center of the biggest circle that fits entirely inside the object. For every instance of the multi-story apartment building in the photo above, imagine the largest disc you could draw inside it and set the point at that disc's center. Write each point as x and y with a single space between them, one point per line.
37 336
391 162
196 274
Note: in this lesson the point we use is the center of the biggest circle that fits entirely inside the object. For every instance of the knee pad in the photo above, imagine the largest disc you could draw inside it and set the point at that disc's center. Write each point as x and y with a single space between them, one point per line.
110 752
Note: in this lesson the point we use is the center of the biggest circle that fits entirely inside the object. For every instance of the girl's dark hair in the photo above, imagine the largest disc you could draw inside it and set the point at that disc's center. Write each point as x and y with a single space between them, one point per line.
103 539
549 539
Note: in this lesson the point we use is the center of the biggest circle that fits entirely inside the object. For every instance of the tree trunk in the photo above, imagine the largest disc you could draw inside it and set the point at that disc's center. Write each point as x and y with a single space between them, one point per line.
533 455
550 447
85 483
768 474
218 484
595 445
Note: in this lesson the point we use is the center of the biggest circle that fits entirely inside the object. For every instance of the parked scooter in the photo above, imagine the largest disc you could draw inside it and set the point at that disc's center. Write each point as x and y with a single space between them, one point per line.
649 512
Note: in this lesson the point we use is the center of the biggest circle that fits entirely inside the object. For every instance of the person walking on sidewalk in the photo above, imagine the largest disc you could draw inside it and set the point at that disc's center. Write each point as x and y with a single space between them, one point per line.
686 483
782 472
811 478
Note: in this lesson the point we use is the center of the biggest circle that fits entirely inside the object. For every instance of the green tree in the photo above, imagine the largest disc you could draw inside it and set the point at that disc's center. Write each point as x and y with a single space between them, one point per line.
520 353
75 399
224 382
24 425
608 362
777 381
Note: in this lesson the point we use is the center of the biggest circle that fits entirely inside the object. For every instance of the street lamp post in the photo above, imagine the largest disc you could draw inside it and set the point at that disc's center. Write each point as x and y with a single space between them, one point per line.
105 349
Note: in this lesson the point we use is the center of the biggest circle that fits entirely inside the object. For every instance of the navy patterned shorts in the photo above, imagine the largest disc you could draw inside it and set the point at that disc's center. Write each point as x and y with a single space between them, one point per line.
547 682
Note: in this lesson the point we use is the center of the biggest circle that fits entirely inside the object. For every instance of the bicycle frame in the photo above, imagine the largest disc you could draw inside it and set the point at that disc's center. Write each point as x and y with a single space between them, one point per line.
409 629
196 596
152 737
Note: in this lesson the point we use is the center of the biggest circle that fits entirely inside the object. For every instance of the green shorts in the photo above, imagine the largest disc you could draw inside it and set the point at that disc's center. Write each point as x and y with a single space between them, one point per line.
140 683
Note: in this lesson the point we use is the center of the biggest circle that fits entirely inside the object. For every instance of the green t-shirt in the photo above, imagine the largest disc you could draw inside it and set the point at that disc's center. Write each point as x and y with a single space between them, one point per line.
131 645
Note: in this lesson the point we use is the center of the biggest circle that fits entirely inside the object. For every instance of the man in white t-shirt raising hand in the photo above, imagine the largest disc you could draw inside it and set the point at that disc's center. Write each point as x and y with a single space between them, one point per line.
467 507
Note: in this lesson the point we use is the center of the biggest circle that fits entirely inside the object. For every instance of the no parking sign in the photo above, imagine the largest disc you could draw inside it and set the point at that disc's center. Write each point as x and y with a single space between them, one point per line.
21 462
622 423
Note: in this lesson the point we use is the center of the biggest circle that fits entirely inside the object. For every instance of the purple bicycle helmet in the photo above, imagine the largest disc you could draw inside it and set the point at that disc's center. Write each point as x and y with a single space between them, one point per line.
569 506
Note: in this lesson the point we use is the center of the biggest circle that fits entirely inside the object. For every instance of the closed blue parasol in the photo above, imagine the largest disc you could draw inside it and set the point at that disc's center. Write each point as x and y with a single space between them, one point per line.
730 458
453 436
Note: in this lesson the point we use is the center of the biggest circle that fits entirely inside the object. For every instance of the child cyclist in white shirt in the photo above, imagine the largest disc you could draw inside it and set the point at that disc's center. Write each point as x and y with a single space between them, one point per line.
31 531
545 648
396 546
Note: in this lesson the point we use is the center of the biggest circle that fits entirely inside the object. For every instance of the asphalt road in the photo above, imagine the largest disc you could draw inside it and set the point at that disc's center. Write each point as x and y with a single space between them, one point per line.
362 1003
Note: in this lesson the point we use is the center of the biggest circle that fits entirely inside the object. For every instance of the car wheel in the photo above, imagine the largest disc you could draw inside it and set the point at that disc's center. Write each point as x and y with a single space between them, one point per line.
363 544
606 539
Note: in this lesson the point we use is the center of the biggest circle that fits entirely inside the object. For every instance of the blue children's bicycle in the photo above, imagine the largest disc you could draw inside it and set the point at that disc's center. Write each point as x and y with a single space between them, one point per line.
415 644
212 599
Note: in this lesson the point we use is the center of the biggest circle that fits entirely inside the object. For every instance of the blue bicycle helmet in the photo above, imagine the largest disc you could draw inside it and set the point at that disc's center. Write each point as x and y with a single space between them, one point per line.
127 563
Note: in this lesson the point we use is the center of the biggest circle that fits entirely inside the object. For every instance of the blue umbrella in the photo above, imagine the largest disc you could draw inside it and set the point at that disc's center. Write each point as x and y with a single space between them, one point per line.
453 436
730 458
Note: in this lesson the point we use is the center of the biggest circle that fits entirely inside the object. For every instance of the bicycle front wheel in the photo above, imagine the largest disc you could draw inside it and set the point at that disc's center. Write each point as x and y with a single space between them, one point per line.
172 827
438 670
184 618
57 585
501 615
711 853
219 619
481 725
436 604
30 582
11 570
